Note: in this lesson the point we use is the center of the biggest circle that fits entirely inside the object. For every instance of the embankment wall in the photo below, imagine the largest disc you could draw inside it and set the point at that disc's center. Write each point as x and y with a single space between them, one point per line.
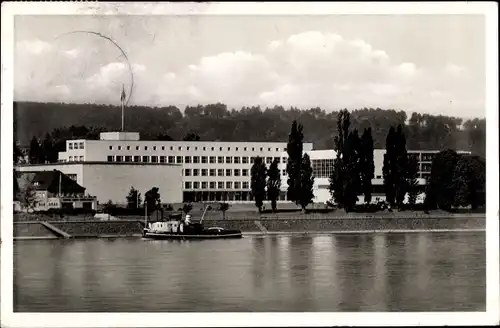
124 228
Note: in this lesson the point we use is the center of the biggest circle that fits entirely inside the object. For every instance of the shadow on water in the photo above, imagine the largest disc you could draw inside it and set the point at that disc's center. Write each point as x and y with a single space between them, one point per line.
352 272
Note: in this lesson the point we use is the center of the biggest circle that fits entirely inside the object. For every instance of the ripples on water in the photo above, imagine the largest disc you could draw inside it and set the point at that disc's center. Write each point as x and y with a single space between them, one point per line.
351 272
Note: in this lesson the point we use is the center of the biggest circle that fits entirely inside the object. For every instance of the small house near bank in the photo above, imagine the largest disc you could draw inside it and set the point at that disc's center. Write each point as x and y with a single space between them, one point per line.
45 190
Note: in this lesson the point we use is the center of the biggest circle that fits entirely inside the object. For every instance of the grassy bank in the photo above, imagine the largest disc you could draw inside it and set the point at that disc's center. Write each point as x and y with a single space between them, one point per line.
253 215
248 211
130 228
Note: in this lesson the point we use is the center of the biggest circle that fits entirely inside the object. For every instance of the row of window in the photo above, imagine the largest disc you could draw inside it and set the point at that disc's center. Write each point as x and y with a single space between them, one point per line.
428 157
218 185
426 167
191 159
75 158
75 145
220 172
322 168
195 148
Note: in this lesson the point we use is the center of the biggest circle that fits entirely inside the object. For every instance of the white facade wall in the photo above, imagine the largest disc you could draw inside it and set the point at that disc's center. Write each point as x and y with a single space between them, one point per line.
101 150
321 184
119 136
113 181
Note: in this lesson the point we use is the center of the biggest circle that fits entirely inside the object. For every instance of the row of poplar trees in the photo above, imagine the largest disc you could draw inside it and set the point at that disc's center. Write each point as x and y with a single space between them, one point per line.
40 151
266 182
354 167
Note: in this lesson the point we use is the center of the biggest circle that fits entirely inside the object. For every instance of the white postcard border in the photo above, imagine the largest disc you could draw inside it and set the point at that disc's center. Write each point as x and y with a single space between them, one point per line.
10 319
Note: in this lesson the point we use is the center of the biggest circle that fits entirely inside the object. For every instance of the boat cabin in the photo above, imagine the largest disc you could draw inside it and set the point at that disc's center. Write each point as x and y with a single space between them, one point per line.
174 224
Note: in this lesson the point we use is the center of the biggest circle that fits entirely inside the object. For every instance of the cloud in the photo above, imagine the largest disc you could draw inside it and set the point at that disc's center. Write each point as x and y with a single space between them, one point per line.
384 89
454 70
227 75
62 90
107 82
407 69
73 53
34 47
169 76
306 70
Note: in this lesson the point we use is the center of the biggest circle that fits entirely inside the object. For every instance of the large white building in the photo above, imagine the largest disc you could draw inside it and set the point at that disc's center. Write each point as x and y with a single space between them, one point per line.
211 170
194 170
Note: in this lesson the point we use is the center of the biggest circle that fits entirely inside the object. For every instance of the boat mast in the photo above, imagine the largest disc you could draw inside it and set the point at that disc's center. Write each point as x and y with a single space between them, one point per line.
145 214
60 182
204 212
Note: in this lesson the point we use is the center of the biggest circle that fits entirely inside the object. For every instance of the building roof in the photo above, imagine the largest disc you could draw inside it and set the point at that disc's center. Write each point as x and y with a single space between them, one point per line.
50 181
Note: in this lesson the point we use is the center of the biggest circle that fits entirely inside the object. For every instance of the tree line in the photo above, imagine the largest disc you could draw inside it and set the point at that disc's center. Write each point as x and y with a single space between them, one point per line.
152 202
456 180
266 183
216 122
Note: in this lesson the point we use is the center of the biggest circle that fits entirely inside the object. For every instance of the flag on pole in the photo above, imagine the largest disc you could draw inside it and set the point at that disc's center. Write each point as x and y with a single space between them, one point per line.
122 97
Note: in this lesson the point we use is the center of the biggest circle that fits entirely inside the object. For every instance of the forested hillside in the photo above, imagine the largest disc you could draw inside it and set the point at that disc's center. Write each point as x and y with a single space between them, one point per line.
217 122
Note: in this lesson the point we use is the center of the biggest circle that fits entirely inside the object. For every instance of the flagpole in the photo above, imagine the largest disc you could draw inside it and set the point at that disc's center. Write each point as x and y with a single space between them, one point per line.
122 98
122 115
60 180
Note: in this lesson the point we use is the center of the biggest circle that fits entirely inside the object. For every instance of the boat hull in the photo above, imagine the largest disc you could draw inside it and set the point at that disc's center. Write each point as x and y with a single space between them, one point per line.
182 236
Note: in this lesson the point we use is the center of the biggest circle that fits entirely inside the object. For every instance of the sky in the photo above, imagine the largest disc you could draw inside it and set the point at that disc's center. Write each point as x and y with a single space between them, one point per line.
418 63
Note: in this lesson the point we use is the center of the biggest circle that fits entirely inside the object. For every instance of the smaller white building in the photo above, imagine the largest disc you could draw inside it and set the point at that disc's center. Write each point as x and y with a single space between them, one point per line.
50 190
112 181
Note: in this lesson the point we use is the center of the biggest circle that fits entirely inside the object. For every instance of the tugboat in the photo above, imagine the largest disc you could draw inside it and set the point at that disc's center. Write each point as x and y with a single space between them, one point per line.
177 228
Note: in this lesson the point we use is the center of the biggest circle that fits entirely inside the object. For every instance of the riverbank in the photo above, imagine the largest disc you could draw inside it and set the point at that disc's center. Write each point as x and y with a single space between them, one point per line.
247 213
264 226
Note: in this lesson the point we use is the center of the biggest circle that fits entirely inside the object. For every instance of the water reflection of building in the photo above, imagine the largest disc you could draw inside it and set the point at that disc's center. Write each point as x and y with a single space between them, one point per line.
324 275
351 264
301 272
367 281
423 269
396 267
361 275
258 264
380 271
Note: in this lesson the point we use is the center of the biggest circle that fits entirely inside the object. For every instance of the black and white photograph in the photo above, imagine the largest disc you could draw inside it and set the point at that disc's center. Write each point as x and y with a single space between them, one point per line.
249 164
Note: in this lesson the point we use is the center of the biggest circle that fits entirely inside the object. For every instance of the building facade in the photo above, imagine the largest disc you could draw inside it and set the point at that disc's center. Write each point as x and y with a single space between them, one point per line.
112 181
322 164
52 190
211 171
192 171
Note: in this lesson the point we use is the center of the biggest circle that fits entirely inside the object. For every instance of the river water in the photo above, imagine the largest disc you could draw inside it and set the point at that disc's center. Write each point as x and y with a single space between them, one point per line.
432 271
